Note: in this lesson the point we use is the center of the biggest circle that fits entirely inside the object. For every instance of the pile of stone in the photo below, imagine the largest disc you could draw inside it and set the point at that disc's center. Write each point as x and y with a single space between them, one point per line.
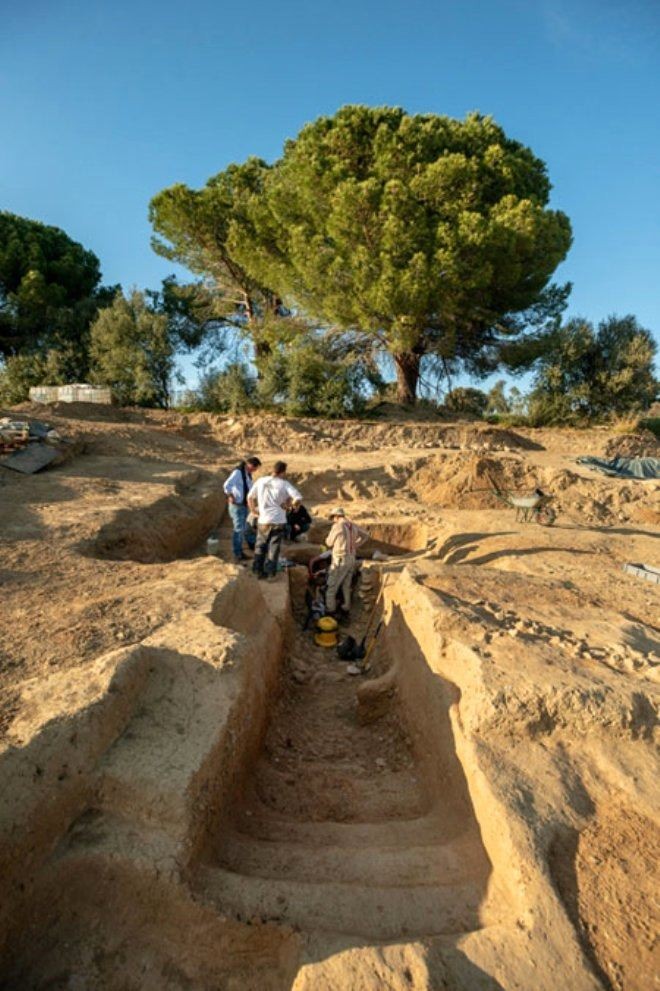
14 434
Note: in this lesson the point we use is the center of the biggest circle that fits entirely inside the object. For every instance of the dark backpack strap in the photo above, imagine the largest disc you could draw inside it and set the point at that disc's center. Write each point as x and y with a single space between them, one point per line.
243 472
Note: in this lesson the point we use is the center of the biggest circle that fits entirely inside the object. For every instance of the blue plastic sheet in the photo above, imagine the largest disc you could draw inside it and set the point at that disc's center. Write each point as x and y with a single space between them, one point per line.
624 467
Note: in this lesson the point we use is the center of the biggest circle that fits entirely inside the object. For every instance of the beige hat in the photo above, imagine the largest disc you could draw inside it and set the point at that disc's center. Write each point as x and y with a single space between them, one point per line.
337 512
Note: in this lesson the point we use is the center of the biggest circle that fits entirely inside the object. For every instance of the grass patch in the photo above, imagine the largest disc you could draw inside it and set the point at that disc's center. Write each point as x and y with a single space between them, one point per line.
651 423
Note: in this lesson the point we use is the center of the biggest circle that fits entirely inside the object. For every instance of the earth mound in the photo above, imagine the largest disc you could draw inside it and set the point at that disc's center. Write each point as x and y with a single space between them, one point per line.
641 445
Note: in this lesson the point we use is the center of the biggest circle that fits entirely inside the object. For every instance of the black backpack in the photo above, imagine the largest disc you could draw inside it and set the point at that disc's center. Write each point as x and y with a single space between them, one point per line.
350 650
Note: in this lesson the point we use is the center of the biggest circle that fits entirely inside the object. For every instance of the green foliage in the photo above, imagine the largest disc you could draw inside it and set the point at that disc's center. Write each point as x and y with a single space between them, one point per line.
518 402
312 375
586 373
497 402
426 233
651 423
467 400
132 352
49 290
20 372
17 375
232 390
192 228
189 308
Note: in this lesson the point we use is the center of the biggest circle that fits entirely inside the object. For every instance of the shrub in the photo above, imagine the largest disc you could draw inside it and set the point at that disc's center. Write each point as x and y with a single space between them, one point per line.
305 378
467 400
587 373
627 424
651 423
232 390
132 352
17 375
20 372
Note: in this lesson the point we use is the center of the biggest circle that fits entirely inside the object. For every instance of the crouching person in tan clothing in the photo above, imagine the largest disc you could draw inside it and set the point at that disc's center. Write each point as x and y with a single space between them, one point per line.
344 539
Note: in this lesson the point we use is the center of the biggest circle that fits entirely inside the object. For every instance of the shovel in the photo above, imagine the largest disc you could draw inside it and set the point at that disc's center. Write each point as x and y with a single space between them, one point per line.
364 666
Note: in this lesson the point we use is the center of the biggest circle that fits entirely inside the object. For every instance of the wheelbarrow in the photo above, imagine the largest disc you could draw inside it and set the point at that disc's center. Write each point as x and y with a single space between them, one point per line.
533 508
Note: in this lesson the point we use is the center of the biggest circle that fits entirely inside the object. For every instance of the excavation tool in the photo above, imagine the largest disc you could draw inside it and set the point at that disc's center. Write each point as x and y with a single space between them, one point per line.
326 635
533 508
364 665
361 652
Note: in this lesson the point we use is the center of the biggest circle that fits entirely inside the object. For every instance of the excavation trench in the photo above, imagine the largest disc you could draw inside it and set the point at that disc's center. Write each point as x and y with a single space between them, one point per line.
178 525
354 815
246 808
391 538
175 526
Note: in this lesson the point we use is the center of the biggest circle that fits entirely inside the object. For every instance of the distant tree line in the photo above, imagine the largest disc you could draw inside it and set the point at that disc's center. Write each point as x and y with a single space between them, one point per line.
379 243
58 324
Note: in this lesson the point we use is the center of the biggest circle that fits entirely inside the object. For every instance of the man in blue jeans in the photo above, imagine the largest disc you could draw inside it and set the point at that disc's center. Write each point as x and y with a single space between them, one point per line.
236 488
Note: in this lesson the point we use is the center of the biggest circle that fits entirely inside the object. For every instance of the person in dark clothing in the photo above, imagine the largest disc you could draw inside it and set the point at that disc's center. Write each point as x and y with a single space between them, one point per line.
298 521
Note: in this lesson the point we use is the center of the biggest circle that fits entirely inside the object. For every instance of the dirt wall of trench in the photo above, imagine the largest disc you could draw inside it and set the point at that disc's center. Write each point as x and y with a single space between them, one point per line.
168 529
123 774
429 695
528 935
47 768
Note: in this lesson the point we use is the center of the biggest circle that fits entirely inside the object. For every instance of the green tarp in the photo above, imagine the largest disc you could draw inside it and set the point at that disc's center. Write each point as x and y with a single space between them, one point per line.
625 467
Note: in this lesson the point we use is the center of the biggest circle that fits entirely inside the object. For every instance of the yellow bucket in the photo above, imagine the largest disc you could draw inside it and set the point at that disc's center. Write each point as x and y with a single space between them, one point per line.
327 632
326 639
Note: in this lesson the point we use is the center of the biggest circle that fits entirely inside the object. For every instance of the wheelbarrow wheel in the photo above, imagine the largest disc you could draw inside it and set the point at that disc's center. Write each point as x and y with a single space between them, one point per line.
546 516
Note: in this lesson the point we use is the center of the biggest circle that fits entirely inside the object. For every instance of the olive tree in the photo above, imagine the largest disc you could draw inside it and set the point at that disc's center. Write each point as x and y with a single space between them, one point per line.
588 372
132 351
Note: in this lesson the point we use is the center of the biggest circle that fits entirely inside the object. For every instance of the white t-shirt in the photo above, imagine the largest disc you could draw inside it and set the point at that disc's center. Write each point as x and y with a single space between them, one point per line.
270 493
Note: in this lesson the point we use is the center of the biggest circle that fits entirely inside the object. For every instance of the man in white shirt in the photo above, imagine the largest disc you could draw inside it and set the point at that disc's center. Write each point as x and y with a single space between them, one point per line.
271 496
237 488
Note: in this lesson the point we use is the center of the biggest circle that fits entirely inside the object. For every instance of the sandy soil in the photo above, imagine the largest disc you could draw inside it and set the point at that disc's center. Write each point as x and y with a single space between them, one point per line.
479 811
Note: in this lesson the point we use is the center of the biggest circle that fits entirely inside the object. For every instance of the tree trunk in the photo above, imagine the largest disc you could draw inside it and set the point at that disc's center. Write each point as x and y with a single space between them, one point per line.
262 349
407 375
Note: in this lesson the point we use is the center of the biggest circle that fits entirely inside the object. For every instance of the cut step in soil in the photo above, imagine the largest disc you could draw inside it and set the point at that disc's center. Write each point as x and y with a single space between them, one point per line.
335 828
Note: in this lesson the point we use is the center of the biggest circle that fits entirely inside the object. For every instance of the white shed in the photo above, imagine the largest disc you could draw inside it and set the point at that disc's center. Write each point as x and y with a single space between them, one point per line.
76 393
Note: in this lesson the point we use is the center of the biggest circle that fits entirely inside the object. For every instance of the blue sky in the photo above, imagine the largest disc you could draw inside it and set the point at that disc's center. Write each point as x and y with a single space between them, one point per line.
103 104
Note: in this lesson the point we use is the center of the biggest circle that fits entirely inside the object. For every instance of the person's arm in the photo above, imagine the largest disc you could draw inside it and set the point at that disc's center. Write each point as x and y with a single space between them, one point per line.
231 487
293 494
332 536
252 499
304 516
362 536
